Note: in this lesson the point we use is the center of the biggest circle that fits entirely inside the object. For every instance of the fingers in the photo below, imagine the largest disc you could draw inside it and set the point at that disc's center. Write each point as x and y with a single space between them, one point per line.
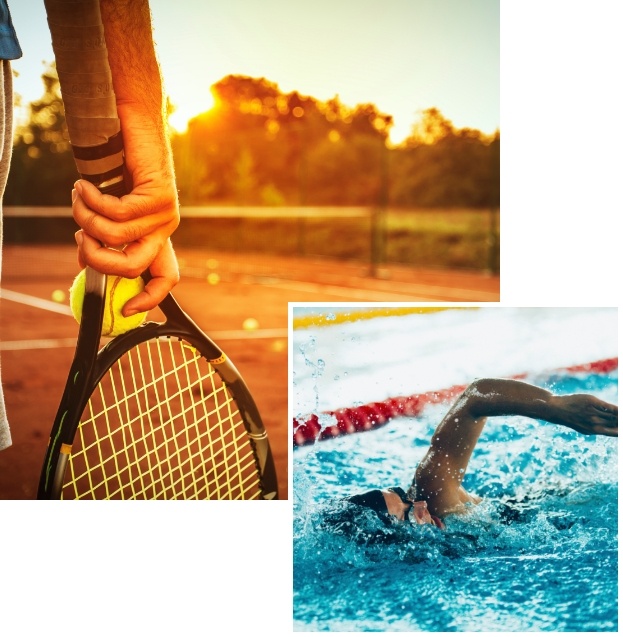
115 222
128 261
599 425
139 226
606 430
164 271
141 238
606 408
589 415
605 418
165 275
162 266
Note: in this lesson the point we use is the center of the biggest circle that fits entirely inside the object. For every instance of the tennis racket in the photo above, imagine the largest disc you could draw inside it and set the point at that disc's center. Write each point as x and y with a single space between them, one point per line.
159 412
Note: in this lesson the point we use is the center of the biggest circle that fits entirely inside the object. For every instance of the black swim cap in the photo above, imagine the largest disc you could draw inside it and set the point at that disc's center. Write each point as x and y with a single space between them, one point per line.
372 499
376 501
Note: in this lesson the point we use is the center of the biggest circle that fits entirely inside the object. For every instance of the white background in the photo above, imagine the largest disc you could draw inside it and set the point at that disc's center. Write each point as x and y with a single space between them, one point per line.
225 568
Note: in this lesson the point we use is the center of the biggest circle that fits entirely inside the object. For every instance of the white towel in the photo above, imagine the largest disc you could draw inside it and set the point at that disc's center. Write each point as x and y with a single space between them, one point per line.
6 145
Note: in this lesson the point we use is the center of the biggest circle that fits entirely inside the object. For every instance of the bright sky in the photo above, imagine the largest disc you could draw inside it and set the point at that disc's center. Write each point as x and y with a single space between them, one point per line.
402 55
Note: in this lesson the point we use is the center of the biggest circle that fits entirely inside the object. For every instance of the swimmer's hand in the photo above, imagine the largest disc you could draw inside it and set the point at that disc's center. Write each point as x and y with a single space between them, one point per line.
585 414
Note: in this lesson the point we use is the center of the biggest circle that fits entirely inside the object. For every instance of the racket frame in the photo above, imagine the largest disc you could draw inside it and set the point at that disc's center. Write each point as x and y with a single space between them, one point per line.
85 375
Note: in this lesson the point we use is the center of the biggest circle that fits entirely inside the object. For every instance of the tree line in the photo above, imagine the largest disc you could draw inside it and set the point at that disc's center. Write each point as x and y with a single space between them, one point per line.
260 146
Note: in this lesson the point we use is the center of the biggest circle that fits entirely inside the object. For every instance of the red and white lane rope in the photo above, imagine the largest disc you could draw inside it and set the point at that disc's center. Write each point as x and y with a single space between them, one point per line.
340 422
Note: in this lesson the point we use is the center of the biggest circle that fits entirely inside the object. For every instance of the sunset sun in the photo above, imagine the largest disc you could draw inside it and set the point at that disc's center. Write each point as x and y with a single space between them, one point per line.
191 106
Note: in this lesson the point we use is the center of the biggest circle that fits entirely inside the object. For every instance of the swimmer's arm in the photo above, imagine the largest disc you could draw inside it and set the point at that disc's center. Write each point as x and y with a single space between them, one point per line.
440 474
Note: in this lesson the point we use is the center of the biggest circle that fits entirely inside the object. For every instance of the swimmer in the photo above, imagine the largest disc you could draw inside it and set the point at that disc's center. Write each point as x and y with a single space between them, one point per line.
436 490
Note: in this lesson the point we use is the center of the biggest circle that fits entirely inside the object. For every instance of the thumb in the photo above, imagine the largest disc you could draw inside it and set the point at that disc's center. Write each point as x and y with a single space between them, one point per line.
165 275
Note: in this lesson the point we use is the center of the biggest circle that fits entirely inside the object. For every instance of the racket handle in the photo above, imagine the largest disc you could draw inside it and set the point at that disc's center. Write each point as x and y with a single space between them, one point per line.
87 90
117 189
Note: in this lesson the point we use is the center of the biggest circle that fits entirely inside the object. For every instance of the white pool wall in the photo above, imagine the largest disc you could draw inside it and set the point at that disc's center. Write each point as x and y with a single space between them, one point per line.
353 363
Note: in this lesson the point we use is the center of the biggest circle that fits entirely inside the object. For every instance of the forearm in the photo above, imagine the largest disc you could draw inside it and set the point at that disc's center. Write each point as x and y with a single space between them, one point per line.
137 80
503 397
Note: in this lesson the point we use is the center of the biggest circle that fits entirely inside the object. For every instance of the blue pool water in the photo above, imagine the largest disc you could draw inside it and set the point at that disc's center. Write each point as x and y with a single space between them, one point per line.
545 562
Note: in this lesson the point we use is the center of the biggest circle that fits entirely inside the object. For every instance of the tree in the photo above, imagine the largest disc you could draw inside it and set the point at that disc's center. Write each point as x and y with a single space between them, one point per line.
42 168
440 166
259 144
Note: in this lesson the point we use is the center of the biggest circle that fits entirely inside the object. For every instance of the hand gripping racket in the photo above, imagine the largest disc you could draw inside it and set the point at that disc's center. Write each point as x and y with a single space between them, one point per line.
159 412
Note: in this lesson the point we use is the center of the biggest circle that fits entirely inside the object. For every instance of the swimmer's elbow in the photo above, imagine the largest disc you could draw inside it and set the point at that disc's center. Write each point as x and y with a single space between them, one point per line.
505 396
474 397
486 396
481 389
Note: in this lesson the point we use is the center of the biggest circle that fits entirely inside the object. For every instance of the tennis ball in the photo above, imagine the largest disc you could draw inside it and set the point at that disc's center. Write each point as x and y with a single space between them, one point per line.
250 324
118 292
58 296
279 346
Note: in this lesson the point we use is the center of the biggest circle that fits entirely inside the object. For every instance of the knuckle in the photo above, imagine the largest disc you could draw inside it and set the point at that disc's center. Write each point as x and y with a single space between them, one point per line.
115 238
133 232
134 272
174 223
122 234
122 215
140 207
90 224
128 270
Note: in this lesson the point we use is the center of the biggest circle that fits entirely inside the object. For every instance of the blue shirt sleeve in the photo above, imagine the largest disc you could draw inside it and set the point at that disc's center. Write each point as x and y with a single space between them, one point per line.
9 46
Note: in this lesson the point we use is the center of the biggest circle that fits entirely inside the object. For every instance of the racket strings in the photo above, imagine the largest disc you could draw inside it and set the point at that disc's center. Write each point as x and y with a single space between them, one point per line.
162 425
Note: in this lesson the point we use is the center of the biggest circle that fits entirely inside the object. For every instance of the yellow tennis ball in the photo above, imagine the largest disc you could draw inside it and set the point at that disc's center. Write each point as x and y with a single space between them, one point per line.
279 346
250 324
118 292
58 296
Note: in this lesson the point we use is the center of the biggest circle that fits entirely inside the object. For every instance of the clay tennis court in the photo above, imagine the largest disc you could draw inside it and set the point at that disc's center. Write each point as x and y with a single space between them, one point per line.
221 291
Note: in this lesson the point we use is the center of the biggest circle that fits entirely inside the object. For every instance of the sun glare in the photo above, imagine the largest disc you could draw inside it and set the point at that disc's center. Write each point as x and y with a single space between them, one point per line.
189 107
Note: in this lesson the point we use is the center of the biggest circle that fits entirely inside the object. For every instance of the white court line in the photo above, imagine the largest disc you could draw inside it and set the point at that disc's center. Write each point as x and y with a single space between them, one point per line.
226 335
234 335
40 343
49 343
34 301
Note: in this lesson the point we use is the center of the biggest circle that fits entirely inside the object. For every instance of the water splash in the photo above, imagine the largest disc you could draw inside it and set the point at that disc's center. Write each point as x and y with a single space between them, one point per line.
317 365
542 543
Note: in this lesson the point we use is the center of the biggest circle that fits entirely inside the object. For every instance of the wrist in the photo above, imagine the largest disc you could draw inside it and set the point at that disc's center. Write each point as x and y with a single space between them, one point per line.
554 409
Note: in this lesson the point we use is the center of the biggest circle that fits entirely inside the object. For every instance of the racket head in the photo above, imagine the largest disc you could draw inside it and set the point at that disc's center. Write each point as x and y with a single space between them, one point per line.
166 416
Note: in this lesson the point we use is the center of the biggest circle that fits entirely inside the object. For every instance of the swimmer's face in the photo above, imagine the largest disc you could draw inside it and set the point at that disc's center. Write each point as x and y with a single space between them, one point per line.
419 514
414 512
